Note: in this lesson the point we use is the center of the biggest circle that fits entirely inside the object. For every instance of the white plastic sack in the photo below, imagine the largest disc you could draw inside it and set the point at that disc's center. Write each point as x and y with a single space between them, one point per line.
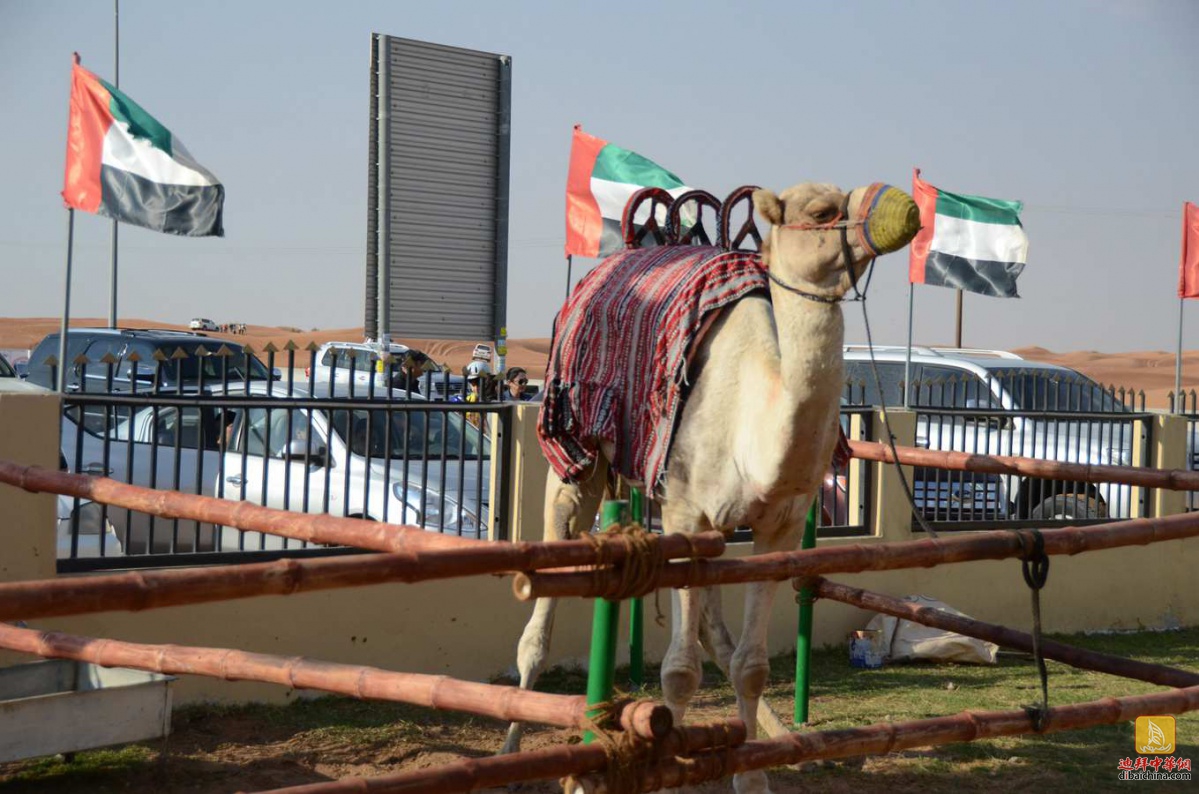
904 640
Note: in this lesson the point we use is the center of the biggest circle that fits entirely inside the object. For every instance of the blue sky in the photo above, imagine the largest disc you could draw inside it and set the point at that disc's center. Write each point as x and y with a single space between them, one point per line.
1084 109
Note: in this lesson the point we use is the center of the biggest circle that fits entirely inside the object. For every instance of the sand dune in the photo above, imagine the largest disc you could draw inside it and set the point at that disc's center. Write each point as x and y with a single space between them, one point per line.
1149 371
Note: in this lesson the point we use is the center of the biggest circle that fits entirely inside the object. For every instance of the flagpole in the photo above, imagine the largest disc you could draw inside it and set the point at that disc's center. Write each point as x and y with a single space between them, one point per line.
66 305
959 324
1179 406
907 365
116 67
569 263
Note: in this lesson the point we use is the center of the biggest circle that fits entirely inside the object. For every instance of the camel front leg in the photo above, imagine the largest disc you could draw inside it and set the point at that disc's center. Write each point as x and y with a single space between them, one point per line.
750 666
682 666
716 639
569 512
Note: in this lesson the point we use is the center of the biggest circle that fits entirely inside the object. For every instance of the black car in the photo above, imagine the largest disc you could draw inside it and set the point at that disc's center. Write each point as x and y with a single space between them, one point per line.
154 358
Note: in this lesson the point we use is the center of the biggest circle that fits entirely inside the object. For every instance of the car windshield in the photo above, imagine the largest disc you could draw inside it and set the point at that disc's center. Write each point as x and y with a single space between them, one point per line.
1054 390
6 371
445 434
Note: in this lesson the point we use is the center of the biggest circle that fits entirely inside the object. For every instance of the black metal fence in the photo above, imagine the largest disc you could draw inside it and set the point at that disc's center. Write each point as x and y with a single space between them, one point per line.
388 438
320 444
1026 414
1186 404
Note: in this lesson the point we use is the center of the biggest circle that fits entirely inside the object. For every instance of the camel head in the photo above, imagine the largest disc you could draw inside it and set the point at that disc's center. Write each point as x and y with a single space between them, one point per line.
821 239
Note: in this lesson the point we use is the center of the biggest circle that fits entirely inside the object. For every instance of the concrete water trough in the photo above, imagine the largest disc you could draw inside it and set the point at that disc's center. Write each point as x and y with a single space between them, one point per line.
63 706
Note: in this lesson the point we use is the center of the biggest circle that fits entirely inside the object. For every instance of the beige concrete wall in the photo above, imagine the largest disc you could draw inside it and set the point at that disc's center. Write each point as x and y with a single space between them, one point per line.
29 427
468 628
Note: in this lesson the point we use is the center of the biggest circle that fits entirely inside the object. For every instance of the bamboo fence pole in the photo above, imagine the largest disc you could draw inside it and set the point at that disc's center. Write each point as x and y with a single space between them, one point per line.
357 532
881 738
645 719
923 553
139 590
697 766
1001 635
1169 479
553 762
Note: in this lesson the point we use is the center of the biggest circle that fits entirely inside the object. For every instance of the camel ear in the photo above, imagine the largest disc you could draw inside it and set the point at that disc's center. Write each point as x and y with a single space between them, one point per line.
768 206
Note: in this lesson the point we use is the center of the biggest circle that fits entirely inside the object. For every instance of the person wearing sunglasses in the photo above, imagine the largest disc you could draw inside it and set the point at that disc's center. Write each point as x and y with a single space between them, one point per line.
516 380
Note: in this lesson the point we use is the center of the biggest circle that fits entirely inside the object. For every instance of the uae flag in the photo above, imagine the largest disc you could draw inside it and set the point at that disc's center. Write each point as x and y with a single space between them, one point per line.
1188 271
122 163
971 243
602 178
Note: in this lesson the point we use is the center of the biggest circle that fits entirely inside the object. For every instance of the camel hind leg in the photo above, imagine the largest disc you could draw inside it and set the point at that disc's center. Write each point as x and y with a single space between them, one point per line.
569 512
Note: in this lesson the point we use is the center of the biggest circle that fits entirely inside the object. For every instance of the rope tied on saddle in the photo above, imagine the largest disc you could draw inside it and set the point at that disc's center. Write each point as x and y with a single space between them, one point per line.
1034 566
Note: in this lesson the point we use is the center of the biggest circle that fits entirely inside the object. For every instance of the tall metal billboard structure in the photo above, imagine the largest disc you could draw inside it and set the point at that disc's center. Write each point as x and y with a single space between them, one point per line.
437 221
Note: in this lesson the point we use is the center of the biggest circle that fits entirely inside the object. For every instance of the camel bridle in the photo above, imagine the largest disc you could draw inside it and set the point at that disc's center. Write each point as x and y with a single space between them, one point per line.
841 223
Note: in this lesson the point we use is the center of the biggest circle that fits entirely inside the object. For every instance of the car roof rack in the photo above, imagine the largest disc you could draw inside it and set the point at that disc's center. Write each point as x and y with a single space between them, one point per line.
916 349
942 352
978 351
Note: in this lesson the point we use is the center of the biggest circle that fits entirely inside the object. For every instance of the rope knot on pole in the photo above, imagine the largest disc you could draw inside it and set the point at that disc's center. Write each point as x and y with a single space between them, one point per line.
629 755
643 561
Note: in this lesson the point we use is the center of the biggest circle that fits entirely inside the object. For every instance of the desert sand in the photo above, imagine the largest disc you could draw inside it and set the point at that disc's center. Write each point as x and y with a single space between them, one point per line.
1149 371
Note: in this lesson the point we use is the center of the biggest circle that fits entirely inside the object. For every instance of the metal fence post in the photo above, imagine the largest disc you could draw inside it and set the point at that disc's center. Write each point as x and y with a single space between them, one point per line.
636 608
605 623
803 640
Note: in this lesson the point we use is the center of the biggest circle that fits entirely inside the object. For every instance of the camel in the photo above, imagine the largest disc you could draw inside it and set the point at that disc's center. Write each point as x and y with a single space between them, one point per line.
755 435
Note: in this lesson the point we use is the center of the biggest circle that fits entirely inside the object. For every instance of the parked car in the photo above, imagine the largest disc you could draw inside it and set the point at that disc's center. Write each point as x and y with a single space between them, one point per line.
402 466
202 324
6 369
174 357
258 454
1001 404
361 363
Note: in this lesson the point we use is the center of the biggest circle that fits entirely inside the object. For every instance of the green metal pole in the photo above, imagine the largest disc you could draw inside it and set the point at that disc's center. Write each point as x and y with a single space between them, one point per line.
636 610
605 624
803 641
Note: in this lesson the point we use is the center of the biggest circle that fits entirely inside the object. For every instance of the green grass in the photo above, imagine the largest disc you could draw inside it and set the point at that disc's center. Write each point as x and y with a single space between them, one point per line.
358 734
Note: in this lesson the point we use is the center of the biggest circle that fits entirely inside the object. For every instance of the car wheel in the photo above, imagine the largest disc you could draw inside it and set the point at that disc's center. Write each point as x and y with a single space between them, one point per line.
1067 507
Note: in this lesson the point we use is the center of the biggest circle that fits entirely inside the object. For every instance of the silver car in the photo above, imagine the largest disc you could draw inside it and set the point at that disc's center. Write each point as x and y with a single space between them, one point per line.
433 472
402 466
997 403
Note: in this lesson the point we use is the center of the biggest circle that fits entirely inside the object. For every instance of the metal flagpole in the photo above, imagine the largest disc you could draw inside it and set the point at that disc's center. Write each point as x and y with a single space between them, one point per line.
1178 405
569 262
116 68
66 305
907 366
959 332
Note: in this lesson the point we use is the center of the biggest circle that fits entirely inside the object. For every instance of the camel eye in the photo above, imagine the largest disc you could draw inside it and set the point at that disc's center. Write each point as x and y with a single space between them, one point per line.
824 214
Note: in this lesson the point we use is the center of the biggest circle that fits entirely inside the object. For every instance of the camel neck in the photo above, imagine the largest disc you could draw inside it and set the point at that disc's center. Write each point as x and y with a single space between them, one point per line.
810 340
805 379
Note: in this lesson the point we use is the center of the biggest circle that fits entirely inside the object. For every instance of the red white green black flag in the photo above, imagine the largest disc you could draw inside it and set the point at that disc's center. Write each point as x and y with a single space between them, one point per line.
121 162
972 243
601 181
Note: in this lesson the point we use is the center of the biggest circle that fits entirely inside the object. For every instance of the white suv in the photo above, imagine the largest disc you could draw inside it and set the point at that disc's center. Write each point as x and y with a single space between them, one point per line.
338 364
202 324
995 402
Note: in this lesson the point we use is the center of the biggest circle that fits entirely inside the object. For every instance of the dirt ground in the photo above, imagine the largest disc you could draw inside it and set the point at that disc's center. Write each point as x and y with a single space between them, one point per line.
248 750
